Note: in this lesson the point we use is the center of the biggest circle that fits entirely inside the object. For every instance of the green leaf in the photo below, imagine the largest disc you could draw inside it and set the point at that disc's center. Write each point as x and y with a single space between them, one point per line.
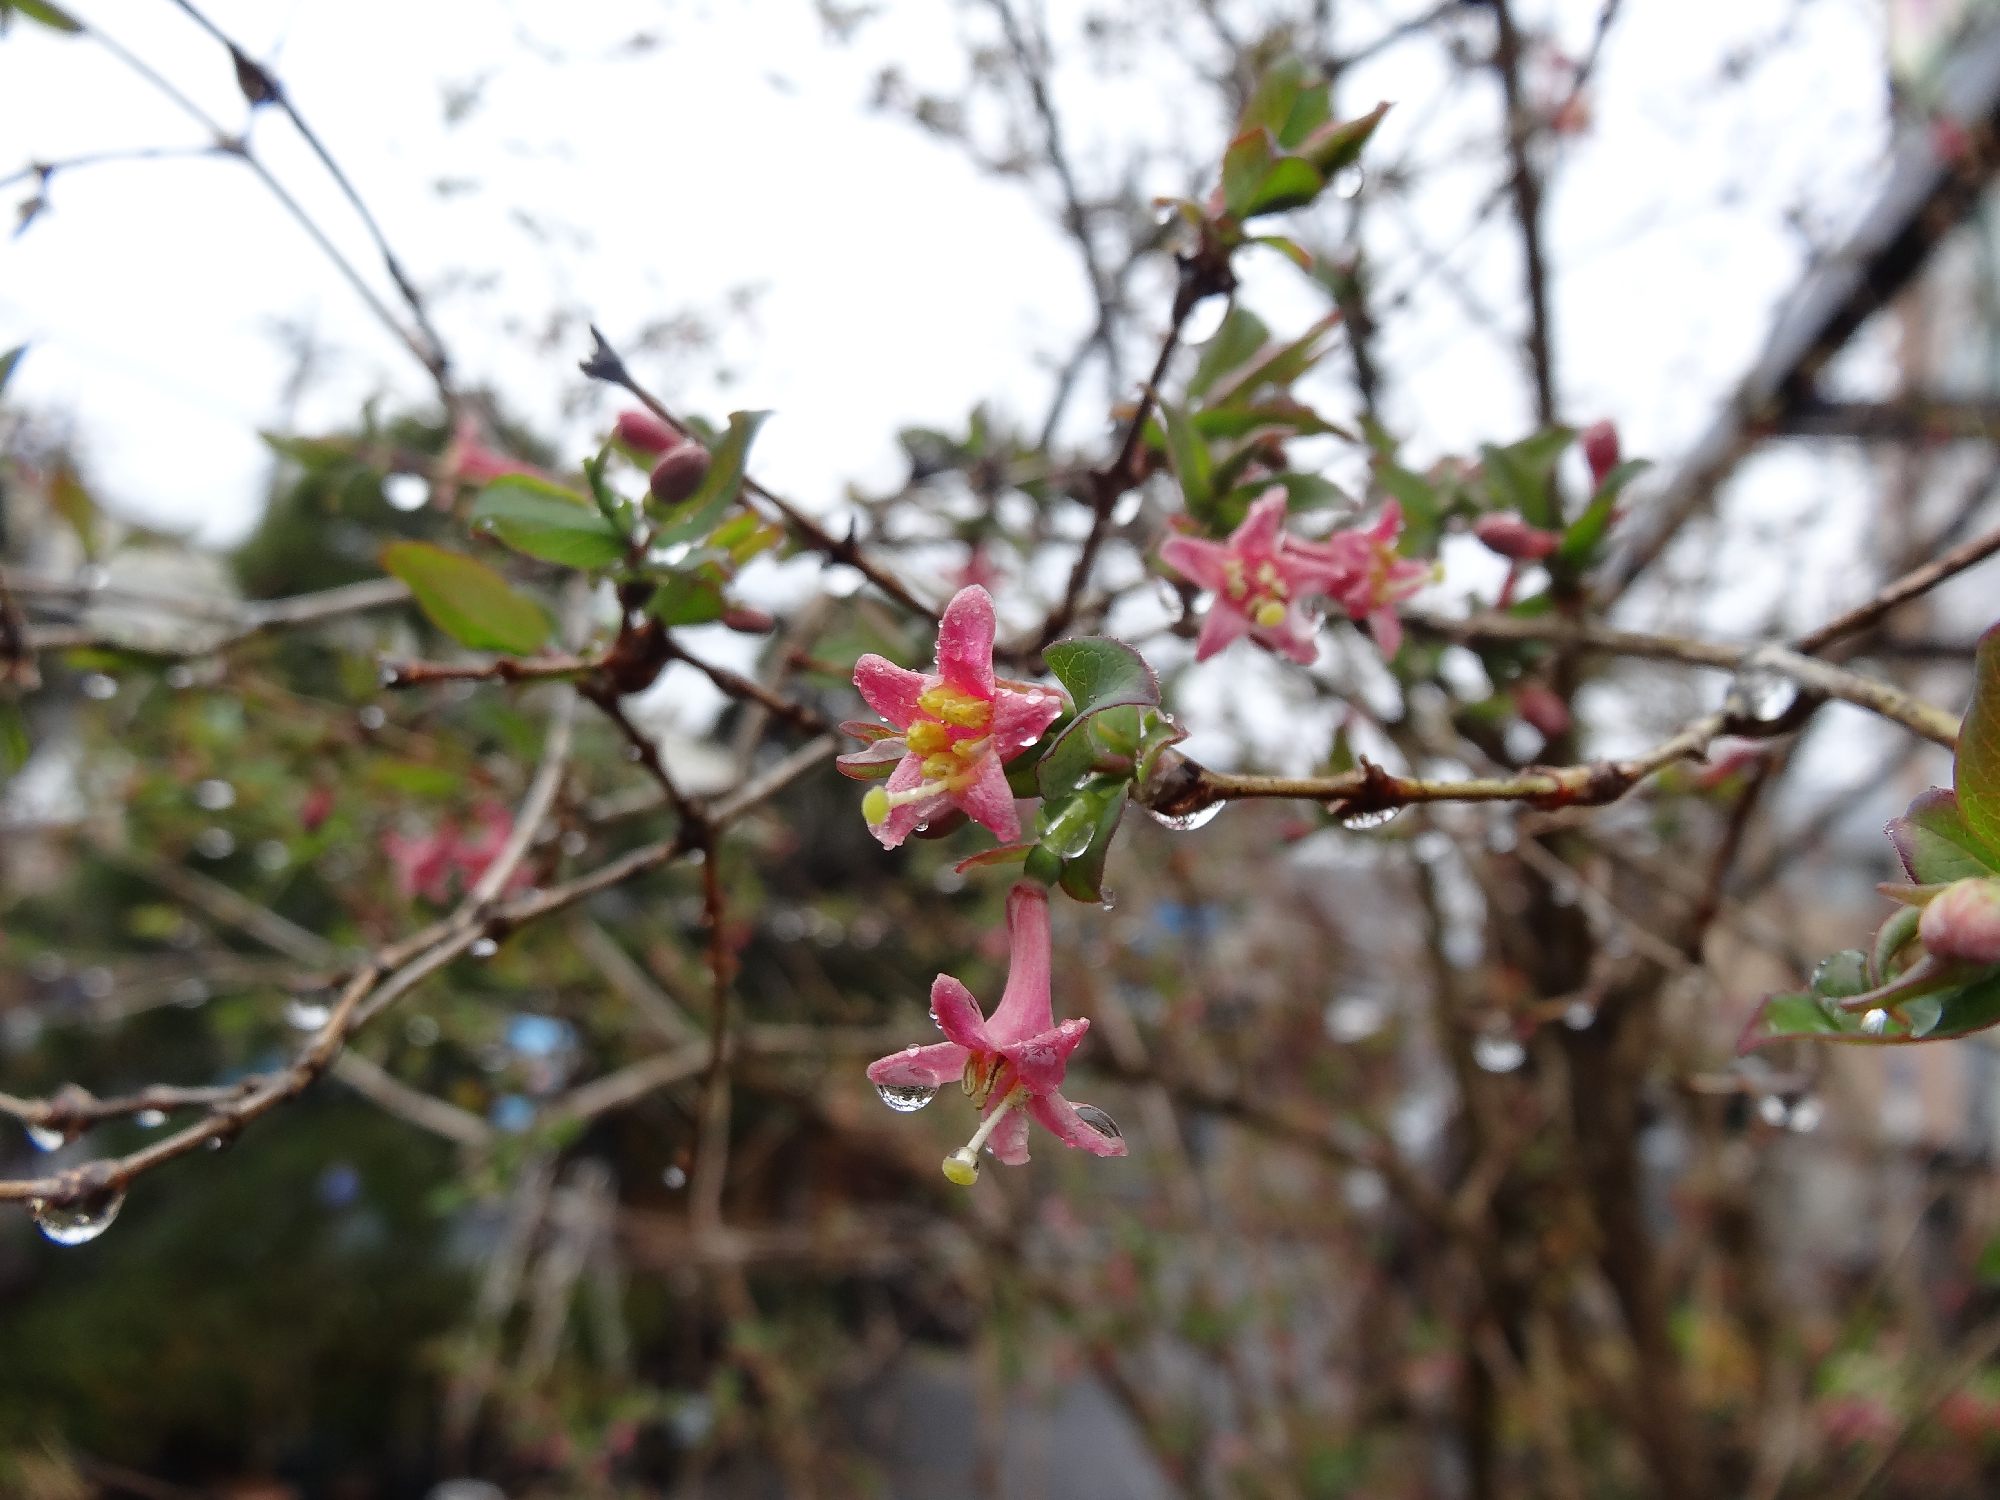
1083 876
686 599
1934 843
1100 673
1070 761
15 746
545 520
1278 364
1518 477
467 600
1239 338
1976 771
50 16
1279 414
727 461
1276 97
1579 543
1290 183
1006 854
1245 165
8 363
1333 147
1422 515
1312 109
1042 866
1291 249
1189 456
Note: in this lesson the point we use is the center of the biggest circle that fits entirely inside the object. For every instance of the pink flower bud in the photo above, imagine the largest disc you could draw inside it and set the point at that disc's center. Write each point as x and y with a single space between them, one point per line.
680 473
318 807
1541 708
748 621
1510 536
646 432
1600 447
1962 922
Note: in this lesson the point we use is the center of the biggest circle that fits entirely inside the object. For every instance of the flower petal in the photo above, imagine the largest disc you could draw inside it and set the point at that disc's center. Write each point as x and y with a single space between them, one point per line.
1225 623
1041 1060
965 641
1257 538
1197 560
1025 1009
1061 1118
902 821
1020 718
929 1067
1387 630
889 689
958 1015
991 800
1010 1137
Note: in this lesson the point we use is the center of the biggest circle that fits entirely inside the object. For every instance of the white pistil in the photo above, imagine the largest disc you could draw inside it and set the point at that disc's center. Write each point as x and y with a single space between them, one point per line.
962 1166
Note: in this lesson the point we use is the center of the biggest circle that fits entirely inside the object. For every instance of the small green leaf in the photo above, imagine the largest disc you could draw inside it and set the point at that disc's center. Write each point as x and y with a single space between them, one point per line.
50 16
1042 866
545 520
1006 854
1312 109
1101 673
8 363
686 599
467 600
1190 459
1245 165
727 462
1518 477
1278 364
1976 771
1290 183
1291 249
1935 844
1332 147
1276 96
1239 338
1070 761
1083 875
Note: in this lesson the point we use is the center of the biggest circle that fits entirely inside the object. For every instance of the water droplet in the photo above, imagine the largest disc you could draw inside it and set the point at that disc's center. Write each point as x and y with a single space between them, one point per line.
77 1223
934 1020
1099 1121
304 1015
905 1099
1498 1054
1875 1022
1359 822
1578 1015
1771 1110
100 687
1348 182
1355 1018
483 947
1110 901
372 717
46 1138
180 675
215 843
150 1119
633 752
1198 819
1765 693
388 676
1807 1114
674 1177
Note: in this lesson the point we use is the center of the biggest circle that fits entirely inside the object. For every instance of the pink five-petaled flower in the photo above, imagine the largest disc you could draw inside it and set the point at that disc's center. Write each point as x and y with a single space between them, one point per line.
1362 572
1261 580
1011 1062
957 725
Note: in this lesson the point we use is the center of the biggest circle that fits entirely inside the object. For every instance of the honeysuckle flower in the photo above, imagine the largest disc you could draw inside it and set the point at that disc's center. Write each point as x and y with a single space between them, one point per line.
468 458
956 727
425 863
1011 1063
1362 572
1260 579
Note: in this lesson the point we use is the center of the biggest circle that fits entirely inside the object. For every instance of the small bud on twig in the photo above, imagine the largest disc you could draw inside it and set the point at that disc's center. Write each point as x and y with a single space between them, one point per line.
1600 448
680 473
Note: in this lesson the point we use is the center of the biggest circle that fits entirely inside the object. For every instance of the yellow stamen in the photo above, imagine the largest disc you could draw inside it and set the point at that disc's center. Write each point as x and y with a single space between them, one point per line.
962 710
962 1166
1270 614
875 806
927 737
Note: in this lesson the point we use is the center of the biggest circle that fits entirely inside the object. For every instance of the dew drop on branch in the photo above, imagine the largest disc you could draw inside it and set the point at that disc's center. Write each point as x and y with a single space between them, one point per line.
76 1223
1360 822
304 1015
1197 819
45 1137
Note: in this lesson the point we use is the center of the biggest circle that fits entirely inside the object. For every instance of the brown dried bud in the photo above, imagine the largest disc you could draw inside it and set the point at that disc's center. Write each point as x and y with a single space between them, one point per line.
1962 922
680 473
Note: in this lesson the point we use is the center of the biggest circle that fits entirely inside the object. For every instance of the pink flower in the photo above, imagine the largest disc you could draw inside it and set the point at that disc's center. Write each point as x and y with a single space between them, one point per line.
425 864
468 458
1512 537
1261 578
1600 450
957 726
1011 1063
1362 572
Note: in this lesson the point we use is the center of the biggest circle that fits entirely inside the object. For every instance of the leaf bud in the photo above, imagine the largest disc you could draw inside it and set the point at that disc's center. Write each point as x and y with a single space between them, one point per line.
646 432
680 473
1511 537
1962 922
1600 448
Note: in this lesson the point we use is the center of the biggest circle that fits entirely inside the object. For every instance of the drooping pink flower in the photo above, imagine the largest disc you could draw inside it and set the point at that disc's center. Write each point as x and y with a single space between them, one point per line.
1510 536
468 458
1361 571
1011 1063
957 726
1261 580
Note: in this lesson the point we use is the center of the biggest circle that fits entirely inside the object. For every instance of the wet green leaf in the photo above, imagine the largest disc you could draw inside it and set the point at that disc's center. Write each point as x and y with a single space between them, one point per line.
1935 844
1189 457
545 520
1239 338
686 599
1976 771
1100 673
467 600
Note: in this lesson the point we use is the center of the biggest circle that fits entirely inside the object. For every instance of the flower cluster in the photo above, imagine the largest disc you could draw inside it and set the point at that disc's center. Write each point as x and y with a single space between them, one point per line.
1011 1063
426 863
956 727
1265 580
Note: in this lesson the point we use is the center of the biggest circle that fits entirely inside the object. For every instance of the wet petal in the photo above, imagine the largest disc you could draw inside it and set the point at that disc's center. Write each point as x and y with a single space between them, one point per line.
1025 1009
902 821
1010 1137
929 1067
1019 719
1041 1060
1387 630
991 800
1263 525
965 641
1061 1118
958 1014
889 689
1197 560
1225 623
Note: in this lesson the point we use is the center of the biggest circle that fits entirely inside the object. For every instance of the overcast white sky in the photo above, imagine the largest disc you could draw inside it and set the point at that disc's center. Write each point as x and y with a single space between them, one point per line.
631 161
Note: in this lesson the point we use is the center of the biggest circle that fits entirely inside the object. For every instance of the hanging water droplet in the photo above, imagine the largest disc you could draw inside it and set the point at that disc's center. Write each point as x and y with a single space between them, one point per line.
1099 1121
934 1020
45 1137
1069 832
483 947
388 676
1498 1054
100 687
150 1119
1197 819
1579 1014
1110 900
1348 181
905 1099
1771 1110
305 1015
1766 693
76 1223
1875 1022
1807 1114
675 1177
1359 822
